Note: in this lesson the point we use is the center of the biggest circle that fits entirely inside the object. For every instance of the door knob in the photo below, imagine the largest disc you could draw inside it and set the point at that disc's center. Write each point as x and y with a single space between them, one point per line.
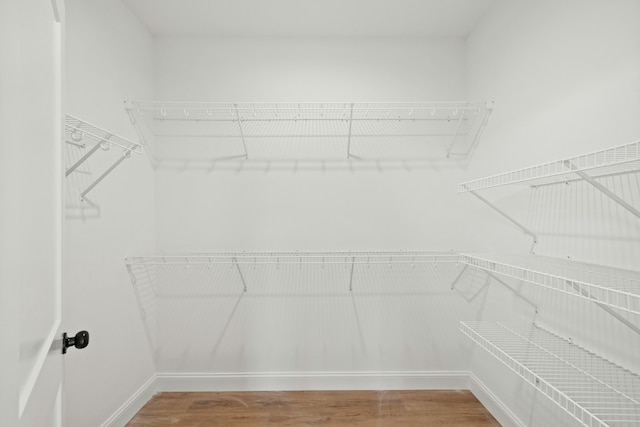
81 340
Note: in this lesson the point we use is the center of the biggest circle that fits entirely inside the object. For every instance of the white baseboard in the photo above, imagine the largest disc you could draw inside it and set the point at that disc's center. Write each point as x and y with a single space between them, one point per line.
259 381
127 411
279 381
499 410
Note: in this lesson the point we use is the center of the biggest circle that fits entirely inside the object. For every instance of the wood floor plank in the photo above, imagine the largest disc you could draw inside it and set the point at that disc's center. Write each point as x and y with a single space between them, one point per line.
312 408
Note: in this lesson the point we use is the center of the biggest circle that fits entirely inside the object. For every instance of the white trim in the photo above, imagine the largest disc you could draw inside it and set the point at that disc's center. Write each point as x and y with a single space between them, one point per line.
262 381
495 406
129 408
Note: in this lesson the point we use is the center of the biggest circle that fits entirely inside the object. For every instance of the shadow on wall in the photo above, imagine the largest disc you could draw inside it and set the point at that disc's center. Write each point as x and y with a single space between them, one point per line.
305 316
473 285
352 164
300 154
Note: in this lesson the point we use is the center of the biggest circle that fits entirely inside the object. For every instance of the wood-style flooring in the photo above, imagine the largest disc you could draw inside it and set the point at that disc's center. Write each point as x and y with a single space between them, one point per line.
314 408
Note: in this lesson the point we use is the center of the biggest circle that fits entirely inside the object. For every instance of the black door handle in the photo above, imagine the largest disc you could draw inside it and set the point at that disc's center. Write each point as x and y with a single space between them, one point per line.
81 340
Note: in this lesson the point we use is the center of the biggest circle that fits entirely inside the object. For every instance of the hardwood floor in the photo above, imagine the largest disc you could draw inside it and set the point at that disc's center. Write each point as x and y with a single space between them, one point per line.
305 408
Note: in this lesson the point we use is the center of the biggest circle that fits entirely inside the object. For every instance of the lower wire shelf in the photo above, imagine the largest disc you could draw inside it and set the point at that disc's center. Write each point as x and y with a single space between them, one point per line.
593 390
337 257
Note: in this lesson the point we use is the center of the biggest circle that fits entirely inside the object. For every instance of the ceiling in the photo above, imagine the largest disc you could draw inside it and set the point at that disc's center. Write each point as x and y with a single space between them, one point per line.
310 18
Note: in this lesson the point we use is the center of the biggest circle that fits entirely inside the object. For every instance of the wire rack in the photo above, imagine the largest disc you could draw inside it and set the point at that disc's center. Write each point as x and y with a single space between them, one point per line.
593 390
343 257
84 140
605 285
614 160
332 271
309 130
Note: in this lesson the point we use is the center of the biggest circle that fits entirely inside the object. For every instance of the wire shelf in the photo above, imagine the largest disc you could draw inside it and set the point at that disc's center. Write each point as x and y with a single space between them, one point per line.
80 132
614 160
345 262
315 273
251 258
593 390
605 285
309 130
83 140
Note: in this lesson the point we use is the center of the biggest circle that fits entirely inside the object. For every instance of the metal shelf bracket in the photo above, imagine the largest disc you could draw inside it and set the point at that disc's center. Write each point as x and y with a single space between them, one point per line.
603 189
508 217
244 283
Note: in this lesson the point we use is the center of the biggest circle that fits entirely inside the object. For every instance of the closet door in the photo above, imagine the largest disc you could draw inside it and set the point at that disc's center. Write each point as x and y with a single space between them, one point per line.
30 213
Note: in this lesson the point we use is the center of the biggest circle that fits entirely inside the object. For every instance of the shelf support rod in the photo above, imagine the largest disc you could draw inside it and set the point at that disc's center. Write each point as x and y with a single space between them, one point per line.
455 281
244 284
84 158
122 158
350 125
455 134
246 154
513 221
604 190
603 306
353 259
480 130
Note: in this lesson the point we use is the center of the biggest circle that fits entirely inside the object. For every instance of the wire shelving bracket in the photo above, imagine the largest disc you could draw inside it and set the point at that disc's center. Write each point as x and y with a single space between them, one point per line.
85 135
250 126
593 390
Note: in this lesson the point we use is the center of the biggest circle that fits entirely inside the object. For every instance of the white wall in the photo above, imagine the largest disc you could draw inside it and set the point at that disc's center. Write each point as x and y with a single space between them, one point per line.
288 208
565 78
281 324
109 59
309 69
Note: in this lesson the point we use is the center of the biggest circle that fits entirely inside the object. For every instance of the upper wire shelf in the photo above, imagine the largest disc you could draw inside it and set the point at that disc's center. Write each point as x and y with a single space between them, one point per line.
604 285
614 160
593 390
332 130
88 138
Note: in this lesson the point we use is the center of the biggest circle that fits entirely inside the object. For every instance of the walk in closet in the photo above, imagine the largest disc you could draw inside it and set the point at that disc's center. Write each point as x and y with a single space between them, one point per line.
293 195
